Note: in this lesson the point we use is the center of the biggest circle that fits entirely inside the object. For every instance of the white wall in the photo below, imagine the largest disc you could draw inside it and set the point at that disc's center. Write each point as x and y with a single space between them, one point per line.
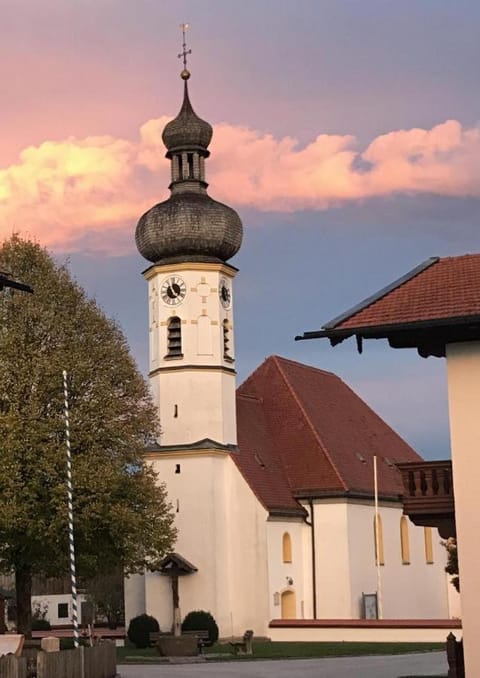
345 558
371 634
52 601
222 531
332 560
299 570
414 591
463 371
134 596
204 400
203 390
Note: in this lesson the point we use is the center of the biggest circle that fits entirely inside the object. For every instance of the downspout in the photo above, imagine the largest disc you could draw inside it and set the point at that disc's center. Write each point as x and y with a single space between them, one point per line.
311 523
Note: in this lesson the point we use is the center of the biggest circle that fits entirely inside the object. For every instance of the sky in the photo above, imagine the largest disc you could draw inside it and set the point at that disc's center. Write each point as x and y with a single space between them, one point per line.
346 135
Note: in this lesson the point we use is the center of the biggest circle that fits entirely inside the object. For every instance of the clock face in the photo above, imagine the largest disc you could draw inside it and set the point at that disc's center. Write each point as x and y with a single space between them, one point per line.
224 293
173 290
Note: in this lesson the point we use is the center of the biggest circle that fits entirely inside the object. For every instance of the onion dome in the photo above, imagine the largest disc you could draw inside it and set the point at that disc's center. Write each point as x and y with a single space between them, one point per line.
187 130
190 225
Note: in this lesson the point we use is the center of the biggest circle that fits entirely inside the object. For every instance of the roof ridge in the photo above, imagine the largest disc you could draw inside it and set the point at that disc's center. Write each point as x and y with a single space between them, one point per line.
310 424
250 376
467 255
303 365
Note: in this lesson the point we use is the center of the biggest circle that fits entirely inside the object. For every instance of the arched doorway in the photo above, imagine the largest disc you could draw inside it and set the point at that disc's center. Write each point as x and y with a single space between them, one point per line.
289 607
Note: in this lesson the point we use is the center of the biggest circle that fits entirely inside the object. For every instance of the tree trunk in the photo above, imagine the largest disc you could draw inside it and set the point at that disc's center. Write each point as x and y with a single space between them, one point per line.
23 588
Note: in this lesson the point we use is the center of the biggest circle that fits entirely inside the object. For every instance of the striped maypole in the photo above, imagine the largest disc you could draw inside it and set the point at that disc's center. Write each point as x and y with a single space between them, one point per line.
70 516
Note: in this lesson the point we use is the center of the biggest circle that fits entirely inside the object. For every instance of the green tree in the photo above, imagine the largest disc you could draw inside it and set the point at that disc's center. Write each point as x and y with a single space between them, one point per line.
452 561
121 514
106 593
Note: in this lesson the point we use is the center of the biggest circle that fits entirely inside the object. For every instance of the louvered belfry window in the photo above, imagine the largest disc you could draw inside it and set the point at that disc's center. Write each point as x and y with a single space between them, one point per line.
174 337
226 340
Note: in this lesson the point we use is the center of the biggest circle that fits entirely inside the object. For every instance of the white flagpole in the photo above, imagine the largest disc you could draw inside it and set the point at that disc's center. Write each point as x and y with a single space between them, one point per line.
377 543
70 516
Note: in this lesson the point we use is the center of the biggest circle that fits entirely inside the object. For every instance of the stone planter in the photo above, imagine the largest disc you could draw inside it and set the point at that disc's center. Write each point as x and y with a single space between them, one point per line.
177 646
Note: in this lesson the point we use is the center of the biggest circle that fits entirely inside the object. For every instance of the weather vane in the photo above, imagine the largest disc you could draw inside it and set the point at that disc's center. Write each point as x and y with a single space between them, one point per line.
186 51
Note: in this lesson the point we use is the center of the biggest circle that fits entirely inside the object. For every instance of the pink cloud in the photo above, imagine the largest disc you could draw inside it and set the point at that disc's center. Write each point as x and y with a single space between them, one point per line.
63 191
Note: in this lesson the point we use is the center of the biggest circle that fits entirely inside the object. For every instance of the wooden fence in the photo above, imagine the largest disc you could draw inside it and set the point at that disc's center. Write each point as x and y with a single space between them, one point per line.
13 667
85 662
65 664
100 661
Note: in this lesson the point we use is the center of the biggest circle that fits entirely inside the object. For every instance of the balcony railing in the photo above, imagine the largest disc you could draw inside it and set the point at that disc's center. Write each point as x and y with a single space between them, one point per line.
428 492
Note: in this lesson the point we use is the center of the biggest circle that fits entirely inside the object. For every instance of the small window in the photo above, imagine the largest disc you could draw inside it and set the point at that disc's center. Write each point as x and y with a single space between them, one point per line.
174 338
287 548
62 610
428 545
378 540
404 541
177 468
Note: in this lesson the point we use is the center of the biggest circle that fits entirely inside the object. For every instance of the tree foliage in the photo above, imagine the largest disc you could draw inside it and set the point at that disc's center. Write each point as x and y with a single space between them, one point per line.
452 561
121 513
106 593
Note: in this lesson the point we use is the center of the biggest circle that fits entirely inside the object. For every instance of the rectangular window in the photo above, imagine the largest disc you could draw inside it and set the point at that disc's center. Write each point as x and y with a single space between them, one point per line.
63 610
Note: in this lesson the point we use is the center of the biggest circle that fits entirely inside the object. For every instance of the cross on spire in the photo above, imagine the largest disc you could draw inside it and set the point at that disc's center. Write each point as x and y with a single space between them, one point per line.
186 51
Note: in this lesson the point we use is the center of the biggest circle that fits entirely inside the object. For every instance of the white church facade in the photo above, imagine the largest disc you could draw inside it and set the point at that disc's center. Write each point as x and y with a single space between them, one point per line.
271 483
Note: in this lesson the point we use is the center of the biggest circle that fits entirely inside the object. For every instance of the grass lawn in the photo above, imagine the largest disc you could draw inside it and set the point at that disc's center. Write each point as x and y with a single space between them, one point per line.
283 650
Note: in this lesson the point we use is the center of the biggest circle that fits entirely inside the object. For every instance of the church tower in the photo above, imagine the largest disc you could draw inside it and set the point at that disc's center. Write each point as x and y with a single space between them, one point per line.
188 239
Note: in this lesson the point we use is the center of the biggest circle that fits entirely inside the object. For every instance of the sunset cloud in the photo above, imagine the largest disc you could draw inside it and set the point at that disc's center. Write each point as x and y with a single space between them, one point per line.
62 192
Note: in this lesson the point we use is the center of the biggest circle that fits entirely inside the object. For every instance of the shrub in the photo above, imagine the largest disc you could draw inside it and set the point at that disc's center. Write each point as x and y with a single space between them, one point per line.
39 624
199 620
39 618
140 628
68 643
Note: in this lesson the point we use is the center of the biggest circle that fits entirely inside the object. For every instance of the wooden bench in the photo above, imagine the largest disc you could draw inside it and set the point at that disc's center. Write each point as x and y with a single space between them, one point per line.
155 635
244 646
202 637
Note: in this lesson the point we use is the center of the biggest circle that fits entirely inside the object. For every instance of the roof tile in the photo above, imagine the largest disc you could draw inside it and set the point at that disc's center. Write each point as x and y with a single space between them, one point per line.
449 288
302 430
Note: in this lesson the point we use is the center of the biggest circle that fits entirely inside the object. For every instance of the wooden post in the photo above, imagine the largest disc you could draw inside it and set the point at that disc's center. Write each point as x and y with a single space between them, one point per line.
177 622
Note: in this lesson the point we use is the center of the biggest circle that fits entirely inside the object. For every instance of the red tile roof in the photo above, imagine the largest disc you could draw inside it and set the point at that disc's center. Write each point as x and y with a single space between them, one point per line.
447 289
303 431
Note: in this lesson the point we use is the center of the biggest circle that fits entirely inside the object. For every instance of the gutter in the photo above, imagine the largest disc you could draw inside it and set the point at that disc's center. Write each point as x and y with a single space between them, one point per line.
314 555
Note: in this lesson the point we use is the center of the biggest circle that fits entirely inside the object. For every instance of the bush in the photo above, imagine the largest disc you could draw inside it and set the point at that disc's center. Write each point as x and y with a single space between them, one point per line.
140 628
68 643
199 620
39 624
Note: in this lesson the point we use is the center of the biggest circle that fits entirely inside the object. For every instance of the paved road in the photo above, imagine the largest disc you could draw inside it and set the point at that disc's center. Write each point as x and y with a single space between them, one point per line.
429 664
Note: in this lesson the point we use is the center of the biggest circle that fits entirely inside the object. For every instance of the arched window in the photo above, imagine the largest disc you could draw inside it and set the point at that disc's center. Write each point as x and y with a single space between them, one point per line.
287 548
226 340
428 545
377 528
174 337
404 542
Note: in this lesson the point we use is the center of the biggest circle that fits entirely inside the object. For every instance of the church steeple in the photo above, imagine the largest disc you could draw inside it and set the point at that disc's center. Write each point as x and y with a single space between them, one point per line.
189 226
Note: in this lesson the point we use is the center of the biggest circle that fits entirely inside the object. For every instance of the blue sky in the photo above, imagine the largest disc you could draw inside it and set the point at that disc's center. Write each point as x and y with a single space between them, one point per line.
88 85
